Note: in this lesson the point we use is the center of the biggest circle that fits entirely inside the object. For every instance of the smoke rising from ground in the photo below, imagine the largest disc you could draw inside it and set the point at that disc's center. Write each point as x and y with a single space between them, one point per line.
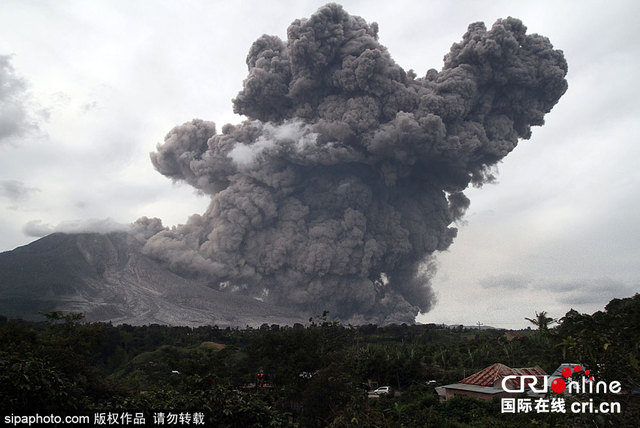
348 173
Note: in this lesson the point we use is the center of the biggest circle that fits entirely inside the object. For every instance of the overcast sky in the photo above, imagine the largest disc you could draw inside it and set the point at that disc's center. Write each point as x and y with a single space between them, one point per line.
89 88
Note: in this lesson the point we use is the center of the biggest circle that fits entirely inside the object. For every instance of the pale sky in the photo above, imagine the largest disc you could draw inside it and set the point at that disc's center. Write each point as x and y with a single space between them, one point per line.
89 89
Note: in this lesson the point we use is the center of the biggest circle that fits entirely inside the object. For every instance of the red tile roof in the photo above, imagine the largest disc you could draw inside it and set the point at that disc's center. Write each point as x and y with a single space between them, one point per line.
511 335
214 345
489 376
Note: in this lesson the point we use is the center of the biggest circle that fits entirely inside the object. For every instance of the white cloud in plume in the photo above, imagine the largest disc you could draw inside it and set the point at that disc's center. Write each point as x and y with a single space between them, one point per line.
293 135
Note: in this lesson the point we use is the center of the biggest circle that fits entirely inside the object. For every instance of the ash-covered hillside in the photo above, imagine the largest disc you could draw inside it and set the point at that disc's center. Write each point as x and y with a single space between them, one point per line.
106 277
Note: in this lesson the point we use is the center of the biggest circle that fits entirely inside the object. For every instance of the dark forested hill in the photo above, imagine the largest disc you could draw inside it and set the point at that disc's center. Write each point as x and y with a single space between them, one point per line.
318 375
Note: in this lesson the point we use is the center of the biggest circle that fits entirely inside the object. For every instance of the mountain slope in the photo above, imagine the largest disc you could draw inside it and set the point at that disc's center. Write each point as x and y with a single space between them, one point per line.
109 279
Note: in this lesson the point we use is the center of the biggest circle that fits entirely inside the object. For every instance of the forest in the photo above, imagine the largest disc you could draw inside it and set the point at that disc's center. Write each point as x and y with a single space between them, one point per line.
313 375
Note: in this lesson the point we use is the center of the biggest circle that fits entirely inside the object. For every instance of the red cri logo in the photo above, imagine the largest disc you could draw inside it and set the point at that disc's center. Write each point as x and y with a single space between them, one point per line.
559 385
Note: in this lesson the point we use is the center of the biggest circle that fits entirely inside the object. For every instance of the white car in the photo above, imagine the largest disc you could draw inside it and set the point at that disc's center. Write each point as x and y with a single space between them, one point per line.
382 390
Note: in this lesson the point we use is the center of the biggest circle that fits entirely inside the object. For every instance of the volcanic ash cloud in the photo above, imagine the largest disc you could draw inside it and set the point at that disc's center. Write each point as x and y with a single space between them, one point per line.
344 180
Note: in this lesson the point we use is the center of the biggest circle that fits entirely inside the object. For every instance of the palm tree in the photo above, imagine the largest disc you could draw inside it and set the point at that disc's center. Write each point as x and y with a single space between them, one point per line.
542 321
568 343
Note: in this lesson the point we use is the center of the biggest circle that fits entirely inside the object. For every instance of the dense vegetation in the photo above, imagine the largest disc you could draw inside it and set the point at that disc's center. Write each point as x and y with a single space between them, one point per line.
314 375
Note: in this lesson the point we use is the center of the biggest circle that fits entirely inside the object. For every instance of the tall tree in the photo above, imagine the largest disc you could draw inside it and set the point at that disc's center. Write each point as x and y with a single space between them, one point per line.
542 321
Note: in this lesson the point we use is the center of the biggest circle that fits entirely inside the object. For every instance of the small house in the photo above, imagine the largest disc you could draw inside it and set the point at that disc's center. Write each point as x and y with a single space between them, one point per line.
487 383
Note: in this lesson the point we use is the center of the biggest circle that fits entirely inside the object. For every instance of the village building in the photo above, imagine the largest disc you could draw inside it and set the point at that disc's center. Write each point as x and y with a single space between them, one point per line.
511 336
487 383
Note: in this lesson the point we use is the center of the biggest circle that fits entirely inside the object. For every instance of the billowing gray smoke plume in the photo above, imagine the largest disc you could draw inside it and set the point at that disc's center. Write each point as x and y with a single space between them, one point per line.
349 171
